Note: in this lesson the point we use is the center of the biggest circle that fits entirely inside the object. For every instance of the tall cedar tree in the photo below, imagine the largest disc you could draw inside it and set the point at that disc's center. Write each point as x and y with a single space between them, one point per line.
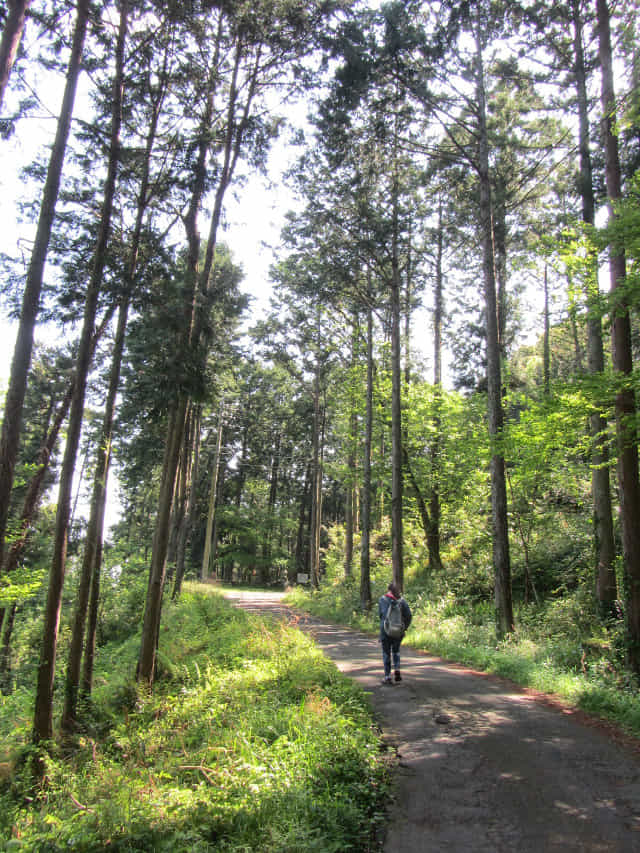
14 401
628 475
43 712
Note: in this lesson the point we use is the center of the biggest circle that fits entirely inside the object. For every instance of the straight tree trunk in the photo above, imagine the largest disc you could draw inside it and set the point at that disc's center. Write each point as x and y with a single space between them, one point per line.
157 572
499 229
213 491
14 401
628 476
396 388
316 491
365 550
349 521
197 293
11 35
546 358
187 525
43 721
93 542
104 459
179 408
301 561
500 530
604 541
433 535
214 533
271 505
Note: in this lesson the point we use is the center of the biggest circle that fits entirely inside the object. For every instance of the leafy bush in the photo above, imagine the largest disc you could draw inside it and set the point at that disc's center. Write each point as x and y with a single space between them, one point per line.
252 740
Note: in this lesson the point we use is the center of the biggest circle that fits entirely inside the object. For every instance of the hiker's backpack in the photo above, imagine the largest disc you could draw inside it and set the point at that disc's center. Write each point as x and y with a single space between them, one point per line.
393 622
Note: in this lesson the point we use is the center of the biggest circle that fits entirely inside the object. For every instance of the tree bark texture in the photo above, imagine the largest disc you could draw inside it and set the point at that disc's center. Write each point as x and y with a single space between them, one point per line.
187 524
350 483
206 559
604 541
114 379
628 476
500 530
11 35
397 544
316 489
179 409
365 552
157 570
435 452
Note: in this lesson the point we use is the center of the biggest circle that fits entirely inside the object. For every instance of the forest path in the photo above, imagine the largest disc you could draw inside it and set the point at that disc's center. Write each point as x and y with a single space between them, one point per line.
485 766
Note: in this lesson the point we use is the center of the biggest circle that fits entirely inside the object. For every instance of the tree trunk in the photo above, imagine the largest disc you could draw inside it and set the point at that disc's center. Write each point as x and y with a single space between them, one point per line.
396 388
206 559
157 571
5 652
500 530
187 524
11 35
301 561
43 723
349 521
499 229
114 379
179 408
433 535
92 557
365 565
32 500
546 357
628 476
604 541
29 509
216 517
316 490
14 401
197 293
271 504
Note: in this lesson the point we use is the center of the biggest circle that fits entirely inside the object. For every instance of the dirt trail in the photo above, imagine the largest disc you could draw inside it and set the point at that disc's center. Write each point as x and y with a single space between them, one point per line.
484 766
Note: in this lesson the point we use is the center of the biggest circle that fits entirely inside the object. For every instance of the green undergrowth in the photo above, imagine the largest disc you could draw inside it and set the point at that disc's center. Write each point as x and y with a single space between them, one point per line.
251 741
558 648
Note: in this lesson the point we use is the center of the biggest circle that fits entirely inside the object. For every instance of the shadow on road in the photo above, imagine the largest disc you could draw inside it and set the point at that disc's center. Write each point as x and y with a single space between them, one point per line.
484 766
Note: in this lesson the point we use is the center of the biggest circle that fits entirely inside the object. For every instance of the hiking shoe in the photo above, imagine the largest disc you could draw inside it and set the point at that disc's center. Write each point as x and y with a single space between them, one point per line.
387 680
398 676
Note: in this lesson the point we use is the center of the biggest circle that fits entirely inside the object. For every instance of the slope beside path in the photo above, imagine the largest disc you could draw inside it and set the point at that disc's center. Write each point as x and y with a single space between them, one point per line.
485 766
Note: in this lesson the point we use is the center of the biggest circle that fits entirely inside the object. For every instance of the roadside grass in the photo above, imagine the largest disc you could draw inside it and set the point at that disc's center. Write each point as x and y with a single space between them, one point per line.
251 740
559 648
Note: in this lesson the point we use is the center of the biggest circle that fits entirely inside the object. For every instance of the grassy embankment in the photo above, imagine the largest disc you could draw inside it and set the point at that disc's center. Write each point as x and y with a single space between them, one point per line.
559 648
252 740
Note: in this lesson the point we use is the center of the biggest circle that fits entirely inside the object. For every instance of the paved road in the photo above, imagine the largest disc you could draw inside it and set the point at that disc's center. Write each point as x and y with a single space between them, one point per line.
485 767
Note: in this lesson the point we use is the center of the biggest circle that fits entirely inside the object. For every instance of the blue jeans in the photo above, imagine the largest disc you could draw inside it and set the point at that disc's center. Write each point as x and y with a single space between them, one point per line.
390 649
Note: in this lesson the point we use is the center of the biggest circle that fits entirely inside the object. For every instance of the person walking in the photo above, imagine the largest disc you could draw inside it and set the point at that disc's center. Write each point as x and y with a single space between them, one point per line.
395 617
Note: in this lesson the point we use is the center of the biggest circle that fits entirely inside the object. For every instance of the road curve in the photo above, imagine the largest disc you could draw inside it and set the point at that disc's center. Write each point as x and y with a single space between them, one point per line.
485 766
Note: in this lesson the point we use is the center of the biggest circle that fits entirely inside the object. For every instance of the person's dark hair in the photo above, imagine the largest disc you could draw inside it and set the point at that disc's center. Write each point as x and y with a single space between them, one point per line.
393 589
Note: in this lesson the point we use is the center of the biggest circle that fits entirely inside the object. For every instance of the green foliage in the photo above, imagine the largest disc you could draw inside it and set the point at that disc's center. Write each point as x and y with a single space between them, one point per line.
20 585
252 741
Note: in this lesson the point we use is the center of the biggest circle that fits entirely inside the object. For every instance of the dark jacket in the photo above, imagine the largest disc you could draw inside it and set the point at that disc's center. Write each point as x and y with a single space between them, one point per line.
383 606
